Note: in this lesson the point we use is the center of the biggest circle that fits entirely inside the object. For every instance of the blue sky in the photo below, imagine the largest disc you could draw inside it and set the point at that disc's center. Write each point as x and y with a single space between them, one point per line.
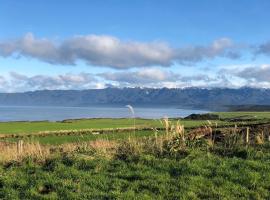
95 44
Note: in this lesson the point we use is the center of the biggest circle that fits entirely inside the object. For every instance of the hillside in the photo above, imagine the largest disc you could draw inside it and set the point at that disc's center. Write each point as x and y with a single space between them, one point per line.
216 98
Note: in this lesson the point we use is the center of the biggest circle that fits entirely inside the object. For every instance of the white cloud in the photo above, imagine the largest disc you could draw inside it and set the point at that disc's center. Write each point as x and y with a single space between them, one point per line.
258 73
18 82
143 76
229 77
3 81
264 49
147 77
248 75
157 78
223 47
108 51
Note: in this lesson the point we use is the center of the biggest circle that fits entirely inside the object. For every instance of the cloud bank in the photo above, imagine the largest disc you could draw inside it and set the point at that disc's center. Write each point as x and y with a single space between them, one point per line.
145 77
108 51
251 76
150 59
18 82
264 49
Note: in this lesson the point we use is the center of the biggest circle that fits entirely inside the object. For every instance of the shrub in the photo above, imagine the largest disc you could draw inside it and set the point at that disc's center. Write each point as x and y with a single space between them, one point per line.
128 150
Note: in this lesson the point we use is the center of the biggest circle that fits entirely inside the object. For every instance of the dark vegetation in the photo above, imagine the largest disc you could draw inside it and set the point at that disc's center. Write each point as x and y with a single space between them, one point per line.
207 116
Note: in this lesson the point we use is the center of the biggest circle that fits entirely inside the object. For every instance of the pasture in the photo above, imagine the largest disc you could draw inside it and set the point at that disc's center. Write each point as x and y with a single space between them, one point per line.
227 158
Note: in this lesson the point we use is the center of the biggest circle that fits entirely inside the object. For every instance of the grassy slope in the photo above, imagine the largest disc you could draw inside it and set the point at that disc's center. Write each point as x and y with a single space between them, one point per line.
256 115
198 175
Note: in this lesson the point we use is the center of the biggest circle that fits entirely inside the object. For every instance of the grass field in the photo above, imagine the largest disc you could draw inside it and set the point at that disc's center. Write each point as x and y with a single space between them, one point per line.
197 174
254 115
53 139
32 127
57 140
135 165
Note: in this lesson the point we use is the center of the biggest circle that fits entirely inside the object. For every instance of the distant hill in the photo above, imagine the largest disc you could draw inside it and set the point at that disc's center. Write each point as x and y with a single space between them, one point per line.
213 99
255 108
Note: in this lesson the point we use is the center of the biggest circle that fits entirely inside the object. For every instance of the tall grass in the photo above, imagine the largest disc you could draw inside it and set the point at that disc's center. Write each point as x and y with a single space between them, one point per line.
131 110
18 151
173 139
21 150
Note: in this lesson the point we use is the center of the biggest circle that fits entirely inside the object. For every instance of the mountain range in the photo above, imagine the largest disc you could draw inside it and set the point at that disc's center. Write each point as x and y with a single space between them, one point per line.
197 98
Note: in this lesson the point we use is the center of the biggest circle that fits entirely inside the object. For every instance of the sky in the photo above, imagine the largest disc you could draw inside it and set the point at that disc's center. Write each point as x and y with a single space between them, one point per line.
142 43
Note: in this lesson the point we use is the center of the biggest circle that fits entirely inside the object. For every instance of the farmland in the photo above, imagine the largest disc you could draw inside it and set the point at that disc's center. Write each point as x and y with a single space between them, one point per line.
108 159
99 123
83 130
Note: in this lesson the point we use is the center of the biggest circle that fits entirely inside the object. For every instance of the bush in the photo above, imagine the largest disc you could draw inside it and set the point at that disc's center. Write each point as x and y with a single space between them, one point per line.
128 150
206 116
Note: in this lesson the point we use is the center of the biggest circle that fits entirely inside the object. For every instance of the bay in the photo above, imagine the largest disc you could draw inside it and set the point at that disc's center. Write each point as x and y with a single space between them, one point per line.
40 113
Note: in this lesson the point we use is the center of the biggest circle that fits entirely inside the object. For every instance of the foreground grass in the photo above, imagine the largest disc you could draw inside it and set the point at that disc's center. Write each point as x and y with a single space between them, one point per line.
168 165
195 175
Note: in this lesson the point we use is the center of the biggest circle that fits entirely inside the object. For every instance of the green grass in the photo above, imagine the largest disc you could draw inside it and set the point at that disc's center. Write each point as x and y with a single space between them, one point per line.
22 128
197 172
255 115
34 127
57 140
196 175
62 139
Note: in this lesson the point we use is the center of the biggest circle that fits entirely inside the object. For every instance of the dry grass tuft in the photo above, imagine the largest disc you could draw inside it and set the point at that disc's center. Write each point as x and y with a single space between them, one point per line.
20 150
103 144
